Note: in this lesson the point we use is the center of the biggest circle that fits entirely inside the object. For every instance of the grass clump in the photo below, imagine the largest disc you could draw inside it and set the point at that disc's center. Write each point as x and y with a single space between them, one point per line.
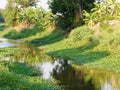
12 81
19 68
6 52
2 27
26 32
53 37
81 33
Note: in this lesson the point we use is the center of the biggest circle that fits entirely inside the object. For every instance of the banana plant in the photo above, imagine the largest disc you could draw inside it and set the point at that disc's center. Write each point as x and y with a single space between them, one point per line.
103 11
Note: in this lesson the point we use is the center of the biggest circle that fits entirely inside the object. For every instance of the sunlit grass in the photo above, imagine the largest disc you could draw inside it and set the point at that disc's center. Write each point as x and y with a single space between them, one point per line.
92 51
6 52
82 46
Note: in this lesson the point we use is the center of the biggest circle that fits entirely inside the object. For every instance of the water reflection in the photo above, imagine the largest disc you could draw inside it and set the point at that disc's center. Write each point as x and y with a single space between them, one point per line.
79 78
110 84
5 43
26 52
63 71
71 78
46 71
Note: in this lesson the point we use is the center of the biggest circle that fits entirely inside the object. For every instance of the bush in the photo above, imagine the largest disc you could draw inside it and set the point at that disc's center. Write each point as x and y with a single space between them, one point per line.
81 33
107 38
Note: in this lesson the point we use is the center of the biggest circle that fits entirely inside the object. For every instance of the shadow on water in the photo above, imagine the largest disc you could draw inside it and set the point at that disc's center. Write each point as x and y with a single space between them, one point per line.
81 55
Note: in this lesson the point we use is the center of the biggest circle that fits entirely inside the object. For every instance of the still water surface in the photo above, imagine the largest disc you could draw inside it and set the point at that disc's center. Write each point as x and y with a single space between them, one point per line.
6 43
71 78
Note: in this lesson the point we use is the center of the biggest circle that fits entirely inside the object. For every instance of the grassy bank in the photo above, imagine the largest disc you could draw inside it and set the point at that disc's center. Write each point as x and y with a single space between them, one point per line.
83 46
11 78
19 76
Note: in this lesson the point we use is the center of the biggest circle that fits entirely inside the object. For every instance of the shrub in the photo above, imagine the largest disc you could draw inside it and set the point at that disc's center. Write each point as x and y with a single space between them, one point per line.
81 33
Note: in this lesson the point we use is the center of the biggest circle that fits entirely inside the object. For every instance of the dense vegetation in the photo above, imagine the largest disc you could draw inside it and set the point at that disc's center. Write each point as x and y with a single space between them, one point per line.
85 32
69 12
9 80
20 76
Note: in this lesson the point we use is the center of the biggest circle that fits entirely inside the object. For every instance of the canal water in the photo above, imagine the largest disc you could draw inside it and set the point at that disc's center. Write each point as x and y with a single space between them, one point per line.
69 76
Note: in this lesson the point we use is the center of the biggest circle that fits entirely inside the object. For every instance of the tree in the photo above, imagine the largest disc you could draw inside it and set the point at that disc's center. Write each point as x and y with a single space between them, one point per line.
35 16
103 12
13 7
1 17
69 12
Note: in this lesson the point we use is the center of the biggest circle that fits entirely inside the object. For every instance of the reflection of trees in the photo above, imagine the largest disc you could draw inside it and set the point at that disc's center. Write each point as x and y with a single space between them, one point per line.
85 78
30 54
72 79
104 80
110 84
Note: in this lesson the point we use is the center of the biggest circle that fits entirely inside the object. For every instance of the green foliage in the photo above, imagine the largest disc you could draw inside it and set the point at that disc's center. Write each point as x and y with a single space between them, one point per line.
69 12
8 15
24 3
108 38
101 50
2 27
116 40
36 16
14 7
51 38
8 52
13 34
12 81
1 17
102 12
81 33
19 68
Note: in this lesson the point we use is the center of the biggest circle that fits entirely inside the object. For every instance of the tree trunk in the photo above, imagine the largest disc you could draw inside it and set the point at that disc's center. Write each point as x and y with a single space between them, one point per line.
15 16
79 15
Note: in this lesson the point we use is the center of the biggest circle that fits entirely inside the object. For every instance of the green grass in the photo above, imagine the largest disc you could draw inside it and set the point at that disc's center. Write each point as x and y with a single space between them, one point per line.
6 52
88 49
19 76
26 32
82 46
19 68
4 29
53 37
12 81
